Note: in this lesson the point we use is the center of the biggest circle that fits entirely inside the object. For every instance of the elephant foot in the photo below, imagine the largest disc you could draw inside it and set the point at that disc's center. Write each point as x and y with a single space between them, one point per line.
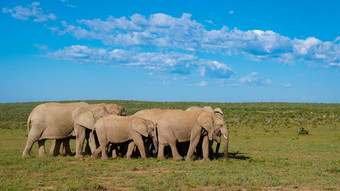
206 160
161 158
179 158
78 156
55 154
189 159
42 154
105 158
25 155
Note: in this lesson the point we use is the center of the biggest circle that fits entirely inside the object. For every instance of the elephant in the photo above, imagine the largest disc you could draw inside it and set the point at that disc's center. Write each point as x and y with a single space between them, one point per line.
180 126
120 129
49 121
84 119
216 135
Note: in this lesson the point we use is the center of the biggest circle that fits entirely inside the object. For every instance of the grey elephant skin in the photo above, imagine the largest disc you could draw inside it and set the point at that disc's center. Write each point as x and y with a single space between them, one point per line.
85 117
216 134
180 126
49 121
120 129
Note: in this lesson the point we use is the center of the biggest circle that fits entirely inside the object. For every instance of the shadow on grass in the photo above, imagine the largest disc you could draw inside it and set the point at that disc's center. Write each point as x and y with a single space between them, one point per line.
236 155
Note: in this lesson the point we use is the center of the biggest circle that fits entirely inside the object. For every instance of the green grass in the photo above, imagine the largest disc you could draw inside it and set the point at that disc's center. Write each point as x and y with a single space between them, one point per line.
266 153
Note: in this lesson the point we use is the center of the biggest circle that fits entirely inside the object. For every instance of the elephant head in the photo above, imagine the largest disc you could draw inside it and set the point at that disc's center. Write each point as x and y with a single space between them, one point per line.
213 123
86 116
113 109
218 111
147 129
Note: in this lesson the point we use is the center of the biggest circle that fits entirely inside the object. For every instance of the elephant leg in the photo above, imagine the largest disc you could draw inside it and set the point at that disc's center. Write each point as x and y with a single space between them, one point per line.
217 149
42 152
104 154
87 146
28 148
87 149
205 148
174 151
140 145
147 148
33 137
53 147
129 152
114 153
161 151
211 151
193 143
80 137
199 151
102 149
56 147
66 147
92 142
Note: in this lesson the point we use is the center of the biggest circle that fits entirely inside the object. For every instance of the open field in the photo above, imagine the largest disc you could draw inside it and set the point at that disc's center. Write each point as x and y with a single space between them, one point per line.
265 149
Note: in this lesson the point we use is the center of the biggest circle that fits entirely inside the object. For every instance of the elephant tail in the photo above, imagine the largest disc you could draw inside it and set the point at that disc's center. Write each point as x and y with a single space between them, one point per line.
28 123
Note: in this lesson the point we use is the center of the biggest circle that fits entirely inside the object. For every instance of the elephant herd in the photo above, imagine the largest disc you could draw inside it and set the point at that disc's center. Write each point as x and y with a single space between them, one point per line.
107 129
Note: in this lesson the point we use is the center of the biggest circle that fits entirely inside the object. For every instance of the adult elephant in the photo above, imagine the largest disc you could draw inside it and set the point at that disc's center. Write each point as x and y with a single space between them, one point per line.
216 135
84 119
56 121
180 126
49 121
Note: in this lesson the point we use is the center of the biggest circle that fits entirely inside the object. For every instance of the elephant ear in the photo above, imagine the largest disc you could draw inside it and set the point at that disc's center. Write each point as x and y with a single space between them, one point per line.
218 111
140 126
84 117
205 120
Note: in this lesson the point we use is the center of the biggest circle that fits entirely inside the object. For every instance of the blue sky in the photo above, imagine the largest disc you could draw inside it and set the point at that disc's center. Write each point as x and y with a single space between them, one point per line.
217 51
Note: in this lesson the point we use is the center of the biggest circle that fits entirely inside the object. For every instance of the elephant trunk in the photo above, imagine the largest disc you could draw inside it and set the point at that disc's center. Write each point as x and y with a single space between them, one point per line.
226 142
217 149
155 142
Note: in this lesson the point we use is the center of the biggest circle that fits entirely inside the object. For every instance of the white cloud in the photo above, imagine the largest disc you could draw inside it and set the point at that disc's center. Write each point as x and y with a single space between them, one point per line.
162 32
254 79
200 84
231 12
335 64
165 32
81 54
42 47
70 5
163 62
30 11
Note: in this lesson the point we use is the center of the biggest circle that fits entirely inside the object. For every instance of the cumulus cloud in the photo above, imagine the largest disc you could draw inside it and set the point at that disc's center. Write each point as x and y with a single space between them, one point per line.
169 62
30 11
165 32
254 79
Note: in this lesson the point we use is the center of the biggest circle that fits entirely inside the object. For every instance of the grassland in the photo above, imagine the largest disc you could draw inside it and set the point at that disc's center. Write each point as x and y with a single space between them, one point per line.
266 154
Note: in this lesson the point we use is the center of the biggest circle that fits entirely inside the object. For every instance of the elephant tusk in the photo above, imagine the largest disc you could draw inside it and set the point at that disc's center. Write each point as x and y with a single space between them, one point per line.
225 137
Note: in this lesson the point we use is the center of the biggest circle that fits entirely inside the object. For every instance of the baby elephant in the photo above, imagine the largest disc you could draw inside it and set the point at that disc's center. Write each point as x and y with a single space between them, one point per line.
119 129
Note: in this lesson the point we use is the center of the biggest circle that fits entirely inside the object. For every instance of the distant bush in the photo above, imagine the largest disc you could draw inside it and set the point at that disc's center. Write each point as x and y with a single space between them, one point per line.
303 131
